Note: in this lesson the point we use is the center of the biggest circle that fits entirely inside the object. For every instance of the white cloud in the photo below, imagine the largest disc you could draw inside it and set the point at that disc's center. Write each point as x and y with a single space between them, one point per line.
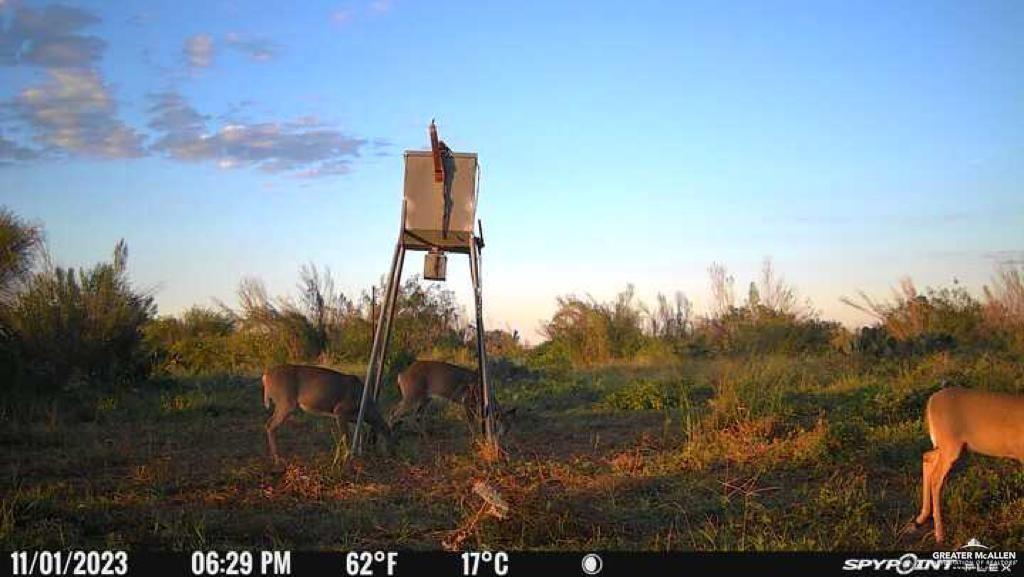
73 112
199 51
303 147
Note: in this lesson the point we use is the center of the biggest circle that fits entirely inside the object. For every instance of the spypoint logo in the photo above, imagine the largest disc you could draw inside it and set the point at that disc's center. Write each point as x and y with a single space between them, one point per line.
904 565
974 557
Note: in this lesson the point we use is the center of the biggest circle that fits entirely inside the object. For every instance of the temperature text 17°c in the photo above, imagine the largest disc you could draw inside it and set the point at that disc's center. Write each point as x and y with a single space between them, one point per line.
363 563
484 562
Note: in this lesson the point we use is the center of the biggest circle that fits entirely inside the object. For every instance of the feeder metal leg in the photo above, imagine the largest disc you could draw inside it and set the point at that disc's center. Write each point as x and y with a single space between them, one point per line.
375 351
395 286
485 392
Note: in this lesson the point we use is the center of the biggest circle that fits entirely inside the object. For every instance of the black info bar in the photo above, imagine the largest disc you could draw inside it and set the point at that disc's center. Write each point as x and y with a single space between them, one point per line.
384 563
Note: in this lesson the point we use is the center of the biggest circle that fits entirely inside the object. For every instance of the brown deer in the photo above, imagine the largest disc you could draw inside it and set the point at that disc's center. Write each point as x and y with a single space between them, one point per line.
317 391
425 379
984 422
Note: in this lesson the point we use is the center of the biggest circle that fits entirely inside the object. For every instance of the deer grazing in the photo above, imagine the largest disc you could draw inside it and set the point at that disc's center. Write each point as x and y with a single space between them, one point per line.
425 379
984 422
317 391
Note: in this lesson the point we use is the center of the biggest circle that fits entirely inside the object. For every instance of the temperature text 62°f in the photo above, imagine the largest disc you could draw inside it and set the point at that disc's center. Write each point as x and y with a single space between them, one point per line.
363 563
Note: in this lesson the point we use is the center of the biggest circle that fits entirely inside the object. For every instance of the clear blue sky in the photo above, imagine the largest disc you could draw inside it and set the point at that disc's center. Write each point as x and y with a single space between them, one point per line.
854 142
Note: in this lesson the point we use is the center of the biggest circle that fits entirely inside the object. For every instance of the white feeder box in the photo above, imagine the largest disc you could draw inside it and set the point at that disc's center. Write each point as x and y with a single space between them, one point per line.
424 214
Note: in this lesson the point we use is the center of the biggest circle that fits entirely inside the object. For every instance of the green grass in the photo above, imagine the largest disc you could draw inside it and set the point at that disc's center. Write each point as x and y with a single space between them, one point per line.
769 453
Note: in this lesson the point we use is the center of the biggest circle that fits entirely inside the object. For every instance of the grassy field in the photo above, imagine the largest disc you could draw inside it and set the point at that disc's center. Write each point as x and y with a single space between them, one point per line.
770 453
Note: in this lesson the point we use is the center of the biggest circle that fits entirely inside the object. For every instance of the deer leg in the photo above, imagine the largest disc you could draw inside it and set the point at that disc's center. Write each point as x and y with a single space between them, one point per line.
276 420
340 426
941 468
380 427
341 422
927 466
419 410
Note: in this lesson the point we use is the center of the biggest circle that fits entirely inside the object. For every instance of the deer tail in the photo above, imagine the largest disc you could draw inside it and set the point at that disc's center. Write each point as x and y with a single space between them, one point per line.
266 392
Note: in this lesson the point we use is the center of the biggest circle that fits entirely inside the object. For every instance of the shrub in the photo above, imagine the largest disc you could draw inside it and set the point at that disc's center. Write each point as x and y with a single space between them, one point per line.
593 332
352 341
580 329
748 330
646 394
551 357
769 321
502 343
428 317
84 324
656 351
1004 307
198 343
942 319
